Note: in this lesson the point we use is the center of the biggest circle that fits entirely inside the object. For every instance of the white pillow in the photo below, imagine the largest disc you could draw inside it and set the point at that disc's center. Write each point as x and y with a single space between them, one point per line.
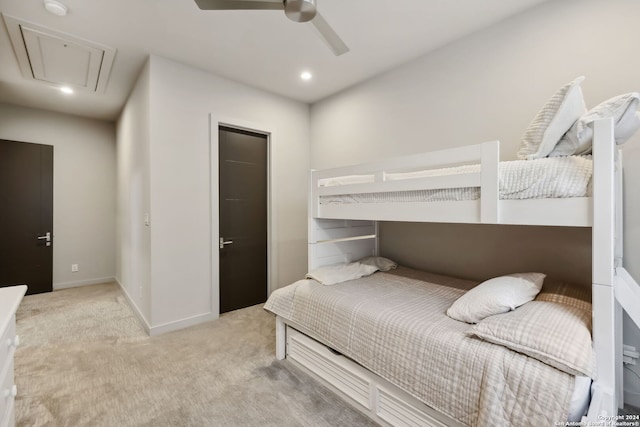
626 120
496 296
553 121
338 273
383 264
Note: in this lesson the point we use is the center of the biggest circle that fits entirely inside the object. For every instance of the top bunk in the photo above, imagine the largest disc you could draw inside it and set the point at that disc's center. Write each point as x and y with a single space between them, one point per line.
470 185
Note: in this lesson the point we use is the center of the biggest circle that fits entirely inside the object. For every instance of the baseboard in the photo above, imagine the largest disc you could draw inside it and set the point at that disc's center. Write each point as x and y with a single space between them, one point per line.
182 323
75 284
166 327
134 308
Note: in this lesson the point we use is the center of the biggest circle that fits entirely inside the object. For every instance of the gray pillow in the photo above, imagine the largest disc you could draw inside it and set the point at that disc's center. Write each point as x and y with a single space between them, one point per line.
556 334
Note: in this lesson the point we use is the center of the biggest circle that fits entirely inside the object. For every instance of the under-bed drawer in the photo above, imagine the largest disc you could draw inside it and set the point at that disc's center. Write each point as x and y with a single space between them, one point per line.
376 397
335 369
399 412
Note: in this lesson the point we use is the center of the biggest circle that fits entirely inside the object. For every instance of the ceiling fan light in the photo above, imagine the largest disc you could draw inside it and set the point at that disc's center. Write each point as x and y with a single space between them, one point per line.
300 10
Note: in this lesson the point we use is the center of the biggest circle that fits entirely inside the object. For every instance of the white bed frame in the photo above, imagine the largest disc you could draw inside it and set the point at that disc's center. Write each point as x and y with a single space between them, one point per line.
347 232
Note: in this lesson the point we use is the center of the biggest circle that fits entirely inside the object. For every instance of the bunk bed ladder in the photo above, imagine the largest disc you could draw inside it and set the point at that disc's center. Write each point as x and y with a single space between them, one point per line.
626 289
607 249
627 292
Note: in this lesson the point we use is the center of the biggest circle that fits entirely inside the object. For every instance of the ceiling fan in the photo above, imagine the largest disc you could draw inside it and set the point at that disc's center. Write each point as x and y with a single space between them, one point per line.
296 10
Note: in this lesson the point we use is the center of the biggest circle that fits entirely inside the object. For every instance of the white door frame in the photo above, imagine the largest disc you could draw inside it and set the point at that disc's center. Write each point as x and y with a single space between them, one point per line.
215 121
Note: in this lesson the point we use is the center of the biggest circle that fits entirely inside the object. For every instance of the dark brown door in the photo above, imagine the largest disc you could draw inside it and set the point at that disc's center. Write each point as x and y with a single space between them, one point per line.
243 218
26 215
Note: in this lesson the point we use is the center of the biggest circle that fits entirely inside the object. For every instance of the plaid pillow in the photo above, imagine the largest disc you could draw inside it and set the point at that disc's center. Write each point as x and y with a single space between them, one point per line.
554 333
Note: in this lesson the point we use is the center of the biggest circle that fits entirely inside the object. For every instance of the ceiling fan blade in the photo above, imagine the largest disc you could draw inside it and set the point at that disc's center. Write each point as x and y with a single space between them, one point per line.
327 33
240 4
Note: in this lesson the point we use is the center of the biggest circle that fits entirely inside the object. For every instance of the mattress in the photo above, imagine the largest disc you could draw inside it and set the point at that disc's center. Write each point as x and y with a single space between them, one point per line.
552 177
392 323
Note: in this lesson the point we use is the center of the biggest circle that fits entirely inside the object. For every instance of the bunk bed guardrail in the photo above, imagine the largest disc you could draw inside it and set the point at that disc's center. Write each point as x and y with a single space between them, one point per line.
487 209
486 154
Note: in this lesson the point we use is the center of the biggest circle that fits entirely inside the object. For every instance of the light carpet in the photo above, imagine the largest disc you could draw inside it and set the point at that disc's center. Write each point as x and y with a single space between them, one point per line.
84 360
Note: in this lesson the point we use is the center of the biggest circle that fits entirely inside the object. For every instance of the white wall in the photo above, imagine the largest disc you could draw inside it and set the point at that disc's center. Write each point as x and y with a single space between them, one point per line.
134 238
489 86
180 102
484 87
84 164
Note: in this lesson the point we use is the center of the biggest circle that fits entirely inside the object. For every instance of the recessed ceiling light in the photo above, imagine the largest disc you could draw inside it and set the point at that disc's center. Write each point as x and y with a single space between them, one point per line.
66 89
55 7
306 76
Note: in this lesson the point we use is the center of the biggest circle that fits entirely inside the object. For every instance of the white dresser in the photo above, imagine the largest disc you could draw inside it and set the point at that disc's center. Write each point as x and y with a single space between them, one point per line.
9 301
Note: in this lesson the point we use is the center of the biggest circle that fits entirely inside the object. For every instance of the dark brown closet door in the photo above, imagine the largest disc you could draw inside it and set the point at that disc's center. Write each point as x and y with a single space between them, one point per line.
243 218
26 215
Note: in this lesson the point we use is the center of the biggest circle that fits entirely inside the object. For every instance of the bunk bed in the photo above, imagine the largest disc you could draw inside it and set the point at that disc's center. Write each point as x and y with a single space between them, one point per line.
345 205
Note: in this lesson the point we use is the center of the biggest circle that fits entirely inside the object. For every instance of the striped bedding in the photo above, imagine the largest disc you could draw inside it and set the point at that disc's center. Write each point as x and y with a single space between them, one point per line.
553 177
395 325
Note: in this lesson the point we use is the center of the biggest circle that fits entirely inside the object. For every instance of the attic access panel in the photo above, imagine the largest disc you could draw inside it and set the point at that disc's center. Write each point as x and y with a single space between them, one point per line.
58 58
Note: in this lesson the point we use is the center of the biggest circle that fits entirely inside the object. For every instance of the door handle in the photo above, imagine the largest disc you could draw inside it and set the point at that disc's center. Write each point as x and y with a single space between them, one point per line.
46 238
223 242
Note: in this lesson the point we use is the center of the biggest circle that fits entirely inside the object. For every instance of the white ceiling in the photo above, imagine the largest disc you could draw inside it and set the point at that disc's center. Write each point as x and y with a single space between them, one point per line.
259 48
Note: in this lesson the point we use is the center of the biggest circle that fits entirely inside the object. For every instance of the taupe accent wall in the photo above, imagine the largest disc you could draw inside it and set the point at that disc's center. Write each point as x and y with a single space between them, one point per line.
481 252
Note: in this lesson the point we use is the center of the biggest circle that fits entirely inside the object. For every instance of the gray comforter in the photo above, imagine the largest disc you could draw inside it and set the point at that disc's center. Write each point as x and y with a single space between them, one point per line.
396 326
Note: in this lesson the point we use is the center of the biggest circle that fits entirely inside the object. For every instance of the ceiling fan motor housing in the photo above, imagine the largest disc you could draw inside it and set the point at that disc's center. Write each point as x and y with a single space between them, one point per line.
300 10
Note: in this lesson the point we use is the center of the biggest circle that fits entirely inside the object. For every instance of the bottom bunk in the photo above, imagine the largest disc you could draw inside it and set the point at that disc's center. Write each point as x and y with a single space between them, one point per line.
386 343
